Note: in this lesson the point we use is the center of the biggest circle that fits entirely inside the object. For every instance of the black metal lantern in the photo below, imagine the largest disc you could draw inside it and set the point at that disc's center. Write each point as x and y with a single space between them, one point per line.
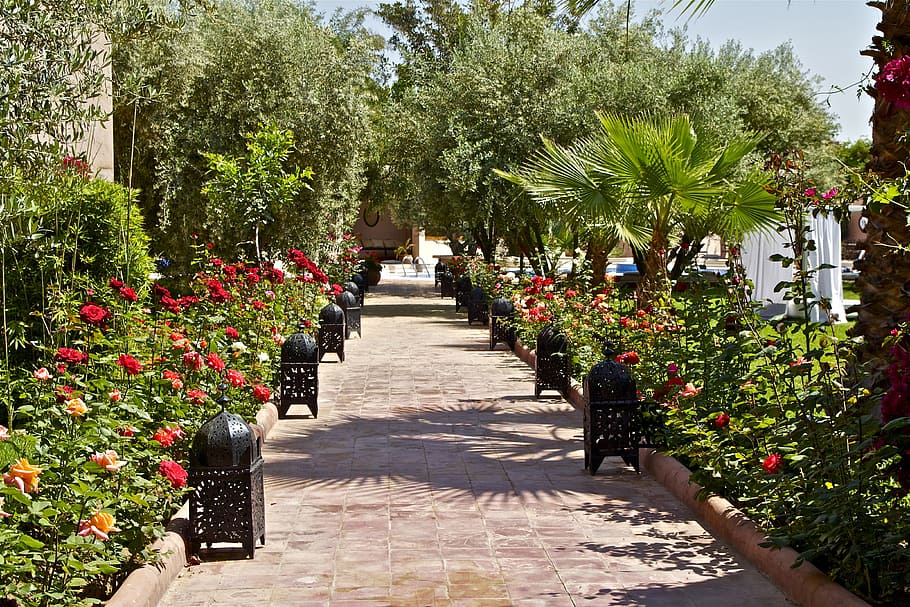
552 369
331 331
447 284
299 373
501 330
438 271
462 290
348 303
227 503
612 424
477 306
361 283
352 288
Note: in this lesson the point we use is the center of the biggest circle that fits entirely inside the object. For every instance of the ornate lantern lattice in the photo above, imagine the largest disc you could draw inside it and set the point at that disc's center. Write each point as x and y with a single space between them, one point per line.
612 420
552 368
501 313
227 503
331 331
299 373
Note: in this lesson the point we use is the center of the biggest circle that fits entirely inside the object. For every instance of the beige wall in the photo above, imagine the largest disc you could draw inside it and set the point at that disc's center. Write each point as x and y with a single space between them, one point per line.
98 145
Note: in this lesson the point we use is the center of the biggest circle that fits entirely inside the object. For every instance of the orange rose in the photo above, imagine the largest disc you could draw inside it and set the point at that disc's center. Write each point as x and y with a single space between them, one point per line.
23 475
109 460
75 407
100 525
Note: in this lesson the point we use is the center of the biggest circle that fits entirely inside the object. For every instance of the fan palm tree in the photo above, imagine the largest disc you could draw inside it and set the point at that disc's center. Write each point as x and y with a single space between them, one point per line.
647 180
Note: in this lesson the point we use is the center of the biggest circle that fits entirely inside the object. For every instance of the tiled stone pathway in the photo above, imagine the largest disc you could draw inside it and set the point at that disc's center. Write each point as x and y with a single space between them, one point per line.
434 478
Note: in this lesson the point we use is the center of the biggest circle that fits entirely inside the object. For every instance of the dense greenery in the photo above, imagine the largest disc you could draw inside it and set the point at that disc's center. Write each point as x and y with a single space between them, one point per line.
204 87
510 77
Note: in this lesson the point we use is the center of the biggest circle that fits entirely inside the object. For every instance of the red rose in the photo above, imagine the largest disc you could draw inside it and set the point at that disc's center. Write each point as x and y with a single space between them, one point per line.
231 332
168 435
170 304
173 472
192 361
261 393
197 397
722 420
115 283
628 358
93 314
213 361
129 364
128 294
70 356
234 378
773 463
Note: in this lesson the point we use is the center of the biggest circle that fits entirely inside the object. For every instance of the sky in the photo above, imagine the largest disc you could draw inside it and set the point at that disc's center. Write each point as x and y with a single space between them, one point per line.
826 35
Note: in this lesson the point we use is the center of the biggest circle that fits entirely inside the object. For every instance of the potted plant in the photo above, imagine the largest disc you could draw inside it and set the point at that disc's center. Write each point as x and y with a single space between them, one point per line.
373 268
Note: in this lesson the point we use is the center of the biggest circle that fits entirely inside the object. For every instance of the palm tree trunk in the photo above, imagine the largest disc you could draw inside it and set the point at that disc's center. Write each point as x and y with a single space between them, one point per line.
654 282
884 281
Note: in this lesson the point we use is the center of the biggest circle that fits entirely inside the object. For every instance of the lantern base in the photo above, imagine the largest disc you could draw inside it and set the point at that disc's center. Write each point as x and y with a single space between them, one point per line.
227 505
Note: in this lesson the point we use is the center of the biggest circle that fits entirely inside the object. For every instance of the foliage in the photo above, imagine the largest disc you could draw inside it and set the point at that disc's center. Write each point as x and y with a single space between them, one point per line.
125 389
253 198
655 183
222 75
772 415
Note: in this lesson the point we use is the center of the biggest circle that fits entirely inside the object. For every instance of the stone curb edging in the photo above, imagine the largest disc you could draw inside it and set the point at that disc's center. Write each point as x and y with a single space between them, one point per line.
806 584
146 586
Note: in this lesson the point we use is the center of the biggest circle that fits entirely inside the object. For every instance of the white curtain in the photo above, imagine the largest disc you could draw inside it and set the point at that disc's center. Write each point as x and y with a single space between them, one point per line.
826 284
766 274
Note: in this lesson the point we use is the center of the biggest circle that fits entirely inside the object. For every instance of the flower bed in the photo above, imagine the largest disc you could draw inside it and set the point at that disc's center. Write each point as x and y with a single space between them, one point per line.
98 430
771 415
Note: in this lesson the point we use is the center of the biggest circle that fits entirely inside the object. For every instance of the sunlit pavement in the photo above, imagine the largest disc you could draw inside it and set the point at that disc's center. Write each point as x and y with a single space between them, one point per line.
433 477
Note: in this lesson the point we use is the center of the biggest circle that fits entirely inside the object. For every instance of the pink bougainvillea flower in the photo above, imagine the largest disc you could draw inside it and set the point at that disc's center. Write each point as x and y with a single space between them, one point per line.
75 407
894 82
23 476
722 420
234 378
830 194
42 374
109 460
173 472
101 525
231 332
129 364
95 315
261 393
688 391
214 362
773 463
809 193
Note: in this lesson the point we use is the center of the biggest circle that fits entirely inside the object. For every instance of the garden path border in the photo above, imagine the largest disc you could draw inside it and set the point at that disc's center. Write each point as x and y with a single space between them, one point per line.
806 585
145 586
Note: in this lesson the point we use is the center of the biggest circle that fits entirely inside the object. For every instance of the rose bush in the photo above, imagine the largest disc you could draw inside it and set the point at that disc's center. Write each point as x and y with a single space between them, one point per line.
94 450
